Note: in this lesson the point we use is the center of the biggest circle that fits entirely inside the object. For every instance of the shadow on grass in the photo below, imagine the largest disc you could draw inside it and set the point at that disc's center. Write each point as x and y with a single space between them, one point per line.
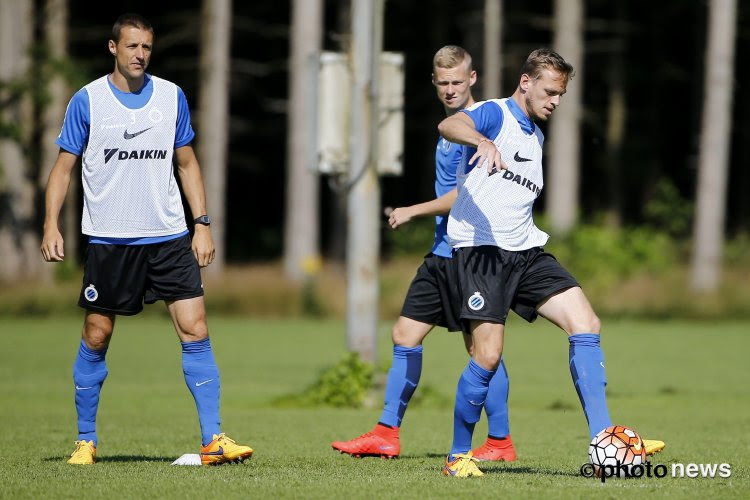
503 467
118 458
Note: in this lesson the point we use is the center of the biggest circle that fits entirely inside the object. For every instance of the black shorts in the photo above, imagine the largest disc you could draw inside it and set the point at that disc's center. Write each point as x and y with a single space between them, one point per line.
120 278
492 281
432 296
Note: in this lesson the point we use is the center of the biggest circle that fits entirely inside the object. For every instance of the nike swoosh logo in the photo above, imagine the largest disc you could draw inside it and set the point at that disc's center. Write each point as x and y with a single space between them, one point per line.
219 452
602 364
637 446
198 384
520 158
475 403
125 135
385 447
83 388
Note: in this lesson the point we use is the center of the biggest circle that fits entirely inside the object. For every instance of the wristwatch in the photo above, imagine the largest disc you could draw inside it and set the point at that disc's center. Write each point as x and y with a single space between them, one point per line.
203 219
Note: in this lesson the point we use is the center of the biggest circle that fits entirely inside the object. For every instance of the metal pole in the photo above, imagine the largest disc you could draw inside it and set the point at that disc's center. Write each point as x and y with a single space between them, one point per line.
363 223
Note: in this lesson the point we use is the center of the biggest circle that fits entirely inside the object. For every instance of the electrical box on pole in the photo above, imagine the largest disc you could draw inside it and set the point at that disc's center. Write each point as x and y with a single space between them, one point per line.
334 105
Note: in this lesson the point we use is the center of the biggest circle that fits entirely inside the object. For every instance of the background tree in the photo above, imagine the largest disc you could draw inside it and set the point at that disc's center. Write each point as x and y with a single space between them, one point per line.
616 116
213 110
563 159
55 22
491 79
301 227
708 233
19 241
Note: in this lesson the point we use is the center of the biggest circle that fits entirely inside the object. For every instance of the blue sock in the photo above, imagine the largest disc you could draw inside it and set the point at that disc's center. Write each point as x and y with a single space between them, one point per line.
403 377
89 372
587 370
496 404
470 396
202 378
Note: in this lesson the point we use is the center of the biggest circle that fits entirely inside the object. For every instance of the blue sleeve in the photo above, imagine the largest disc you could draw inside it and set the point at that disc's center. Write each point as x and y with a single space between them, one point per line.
487 118
75 129
184 133
455 161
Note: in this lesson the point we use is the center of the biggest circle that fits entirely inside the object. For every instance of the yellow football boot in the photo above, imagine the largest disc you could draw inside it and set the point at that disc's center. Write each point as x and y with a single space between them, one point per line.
462 465
84 454
653 446
222 450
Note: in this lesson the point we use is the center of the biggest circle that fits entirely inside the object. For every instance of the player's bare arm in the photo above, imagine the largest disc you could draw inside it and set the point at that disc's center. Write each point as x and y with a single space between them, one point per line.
192 185
53 249
460 129
438 206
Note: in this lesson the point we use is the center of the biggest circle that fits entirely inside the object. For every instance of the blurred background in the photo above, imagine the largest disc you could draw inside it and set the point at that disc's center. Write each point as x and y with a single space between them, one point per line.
646 161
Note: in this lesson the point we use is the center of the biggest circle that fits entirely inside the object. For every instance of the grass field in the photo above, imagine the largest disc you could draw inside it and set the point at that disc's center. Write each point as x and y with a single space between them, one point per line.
683 382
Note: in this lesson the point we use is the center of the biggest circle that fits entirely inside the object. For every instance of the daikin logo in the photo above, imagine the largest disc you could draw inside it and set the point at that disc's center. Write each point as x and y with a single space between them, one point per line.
138 154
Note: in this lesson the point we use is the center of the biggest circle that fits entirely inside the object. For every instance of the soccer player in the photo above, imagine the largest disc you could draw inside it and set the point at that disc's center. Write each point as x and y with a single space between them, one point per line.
428 300
499 259
128 127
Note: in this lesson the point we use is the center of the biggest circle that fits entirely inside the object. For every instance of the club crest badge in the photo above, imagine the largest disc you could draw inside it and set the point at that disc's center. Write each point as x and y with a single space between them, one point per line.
155 115
476 301
90 293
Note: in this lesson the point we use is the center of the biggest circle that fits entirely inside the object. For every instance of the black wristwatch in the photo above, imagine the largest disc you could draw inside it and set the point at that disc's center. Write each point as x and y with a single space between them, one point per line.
203 219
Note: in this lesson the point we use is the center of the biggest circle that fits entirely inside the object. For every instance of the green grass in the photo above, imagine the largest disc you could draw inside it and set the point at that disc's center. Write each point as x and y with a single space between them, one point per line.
683 382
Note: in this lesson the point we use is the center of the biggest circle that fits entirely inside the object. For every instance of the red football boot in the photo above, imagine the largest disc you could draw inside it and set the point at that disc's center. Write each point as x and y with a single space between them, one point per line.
380 442
497 450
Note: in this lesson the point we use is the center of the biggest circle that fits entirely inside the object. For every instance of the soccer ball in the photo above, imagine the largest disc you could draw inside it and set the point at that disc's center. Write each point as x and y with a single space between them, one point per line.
613 445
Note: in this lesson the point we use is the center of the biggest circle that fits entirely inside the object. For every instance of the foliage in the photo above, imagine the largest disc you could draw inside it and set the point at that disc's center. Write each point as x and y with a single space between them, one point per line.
414 238
343 385
668 211
737 250
608 254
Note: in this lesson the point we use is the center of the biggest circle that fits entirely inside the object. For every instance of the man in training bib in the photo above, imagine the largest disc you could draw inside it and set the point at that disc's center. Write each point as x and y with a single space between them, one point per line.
128 127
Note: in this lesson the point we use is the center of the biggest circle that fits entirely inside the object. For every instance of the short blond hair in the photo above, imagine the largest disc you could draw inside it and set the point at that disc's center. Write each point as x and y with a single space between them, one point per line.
451 56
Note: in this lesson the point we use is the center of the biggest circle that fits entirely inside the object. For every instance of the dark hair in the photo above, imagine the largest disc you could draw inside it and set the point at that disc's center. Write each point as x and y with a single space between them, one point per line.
546 59
130 19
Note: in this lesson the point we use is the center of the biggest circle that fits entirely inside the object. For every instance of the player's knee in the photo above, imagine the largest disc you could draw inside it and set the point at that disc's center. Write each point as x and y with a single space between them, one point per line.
487 360
96 334
596 324
588 324
404 338
195 330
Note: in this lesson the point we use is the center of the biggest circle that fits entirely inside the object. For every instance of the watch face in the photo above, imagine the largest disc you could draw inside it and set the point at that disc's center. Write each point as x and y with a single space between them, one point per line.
203 219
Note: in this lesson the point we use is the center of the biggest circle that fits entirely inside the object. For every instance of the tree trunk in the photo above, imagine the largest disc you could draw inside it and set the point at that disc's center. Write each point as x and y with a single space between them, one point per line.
53 114
19 240
708 232
491 78
563 163
301 229
213 113
616 119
